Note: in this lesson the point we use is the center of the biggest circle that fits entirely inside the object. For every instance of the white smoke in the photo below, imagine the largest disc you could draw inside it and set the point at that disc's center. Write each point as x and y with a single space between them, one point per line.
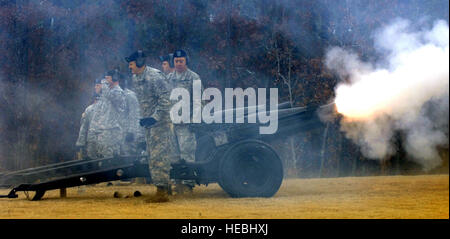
409 94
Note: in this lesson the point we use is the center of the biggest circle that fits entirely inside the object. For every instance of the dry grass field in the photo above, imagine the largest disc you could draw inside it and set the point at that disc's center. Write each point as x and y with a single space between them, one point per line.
412 197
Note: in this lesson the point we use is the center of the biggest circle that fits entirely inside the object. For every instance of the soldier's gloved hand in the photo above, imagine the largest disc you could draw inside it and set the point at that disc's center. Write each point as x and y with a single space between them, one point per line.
147 122
129 137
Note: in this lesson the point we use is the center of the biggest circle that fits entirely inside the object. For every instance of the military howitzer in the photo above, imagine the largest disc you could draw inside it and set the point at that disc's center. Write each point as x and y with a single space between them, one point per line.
234 155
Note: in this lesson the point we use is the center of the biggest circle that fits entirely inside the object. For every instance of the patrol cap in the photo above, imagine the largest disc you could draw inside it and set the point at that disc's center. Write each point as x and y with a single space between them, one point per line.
135 56
98 81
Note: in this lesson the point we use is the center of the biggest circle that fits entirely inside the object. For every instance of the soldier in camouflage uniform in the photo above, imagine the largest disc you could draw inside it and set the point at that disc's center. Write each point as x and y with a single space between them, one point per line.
105 129
167 63
86 117
134 135
183 77
152 91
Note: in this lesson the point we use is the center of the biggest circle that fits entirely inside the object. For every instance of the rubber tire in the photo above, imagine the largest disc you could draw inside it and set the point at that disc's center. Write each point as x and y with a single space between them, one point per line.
250 168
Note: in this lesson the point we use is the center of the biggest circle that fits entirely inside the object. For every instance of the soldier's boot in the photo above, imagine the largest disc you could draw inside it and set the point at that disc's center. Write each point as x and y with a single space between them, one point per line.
161 195
181 188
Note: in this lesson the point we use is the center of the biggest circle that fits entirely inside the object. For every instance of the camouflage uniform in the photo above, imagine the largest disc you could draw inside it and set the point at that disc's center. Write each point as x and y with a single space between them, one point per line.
84 127
131 125
105 130
187 142
152 92
185 137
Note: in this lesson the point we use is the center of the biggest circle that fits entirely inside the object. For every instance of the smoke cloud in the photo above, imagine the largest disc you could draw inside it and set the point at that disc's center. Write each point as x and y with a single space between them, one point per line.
406 92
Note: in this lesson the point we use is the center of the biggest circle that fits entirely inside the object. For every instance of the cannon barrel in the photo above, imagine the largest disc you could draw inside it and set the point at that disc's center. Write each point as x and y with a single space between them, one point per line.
290 121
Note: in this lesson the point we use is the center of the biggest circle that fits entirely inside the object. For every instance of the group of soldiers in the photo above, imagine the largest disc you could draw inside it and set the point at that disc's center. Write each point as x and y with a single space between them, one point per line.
131 116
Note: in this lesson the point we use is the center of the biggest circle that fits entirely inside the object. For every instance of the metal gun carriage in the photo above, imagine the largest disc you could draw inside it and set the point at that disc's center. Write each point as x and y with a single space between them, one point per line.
235 156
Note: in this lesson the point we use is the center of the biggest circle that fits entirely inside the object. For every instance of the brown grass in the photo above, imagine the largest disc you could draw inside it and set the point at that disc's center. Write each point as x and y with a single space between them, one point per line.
352 197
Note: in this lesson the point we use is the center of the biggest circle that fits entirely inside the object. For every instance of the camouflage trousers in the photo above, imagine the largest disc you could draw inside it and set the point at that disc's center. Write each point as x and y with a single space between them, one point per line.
103 144
186 142
187 145
162 151
129 148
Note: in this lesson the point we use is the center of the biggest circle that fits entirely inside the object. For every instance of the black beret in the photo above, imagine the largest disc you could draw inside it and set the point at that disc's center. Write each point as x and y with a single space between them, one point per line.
115 74
134 56
110 73
164 58
179 53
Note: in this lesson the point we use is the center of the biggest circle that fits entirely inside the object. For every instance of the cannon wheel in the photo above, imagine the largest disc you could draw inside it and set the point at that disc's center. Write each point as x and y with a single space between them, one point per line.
250 168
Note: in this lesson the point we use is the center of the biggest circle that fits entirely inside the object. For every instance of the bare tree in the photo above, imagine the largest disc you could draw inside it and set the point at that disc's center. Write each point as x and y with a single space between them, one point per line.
282 53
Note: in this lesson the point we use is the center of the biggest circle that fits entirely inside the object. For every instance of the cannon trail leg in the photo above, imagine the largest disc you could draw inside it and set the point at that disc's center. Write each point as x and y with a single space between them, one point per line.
38 194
